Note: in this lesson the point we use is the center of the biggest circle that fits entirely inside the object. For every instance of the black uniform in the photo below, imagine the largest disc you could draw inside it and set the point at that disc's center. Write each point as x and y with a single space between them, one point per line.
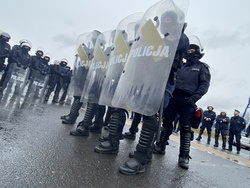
221 127
207 122
4 52
192 83
21 57
66 79
237 124
55 81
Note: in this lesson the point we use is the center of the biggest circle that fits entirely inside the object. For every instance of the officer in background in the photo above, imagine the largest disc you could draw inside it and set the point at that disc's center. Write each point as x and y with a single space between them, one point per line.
208 118
20 56
221 127
57 70
66 79
237 124
4 49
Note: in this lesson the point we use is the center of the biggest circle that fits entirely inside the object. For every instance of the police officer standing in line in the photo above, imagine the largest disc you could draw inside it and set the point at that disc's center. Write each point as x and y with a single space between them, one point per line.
66 79
221 127
20 56
237 124
55 82
143 154
193 81
207 122
4 48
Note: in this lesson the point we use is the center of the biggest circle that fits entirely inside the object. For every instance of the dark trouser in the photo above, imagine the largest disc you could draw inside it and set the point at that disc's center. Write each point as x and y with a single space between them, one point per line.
147 137
134 126
209 131
5 78
98 123
223 133
231 138
65 92
177 105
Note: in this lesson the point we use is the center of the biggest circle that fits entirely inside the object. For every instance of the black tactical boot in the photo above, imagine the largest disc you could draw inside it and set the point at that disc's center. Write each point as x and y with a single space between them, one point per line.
56 96
143 153
224 140
47 95
74 112
208 138
83 127
185 136
111 146
200 133
216 138
98 123
129 135
159 147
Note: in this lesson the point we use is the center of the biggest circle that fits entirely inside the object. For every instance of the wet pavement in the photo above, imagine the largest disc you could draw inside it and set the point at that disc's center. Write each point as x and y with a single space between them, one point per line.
37 151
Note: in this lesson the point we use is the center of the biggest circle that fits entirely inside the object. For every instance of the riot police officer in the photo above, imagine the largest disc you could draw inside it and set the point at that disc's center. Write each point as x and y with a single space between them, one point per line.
207 122
21 57
65 84
57 70
4 48
192 83
143 154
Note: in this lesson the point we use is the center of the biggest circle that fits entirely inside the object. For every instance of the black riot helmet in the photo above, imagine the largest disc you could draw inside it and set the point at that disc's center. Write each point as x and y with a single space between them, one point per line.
168 20
196 50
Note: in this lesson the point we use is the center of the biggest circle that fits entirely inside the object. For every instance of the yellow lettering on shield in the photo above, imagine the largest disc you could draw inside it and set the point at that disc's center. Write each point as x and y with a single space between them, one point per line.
152 38
100 58
121 47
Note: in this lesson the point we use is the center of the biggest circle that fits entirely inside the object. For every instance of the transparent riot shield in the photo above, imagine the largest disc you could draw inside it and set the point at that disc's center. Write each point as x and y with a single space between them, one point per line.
124 38
143 81
15 80
98 67
84 54
37 84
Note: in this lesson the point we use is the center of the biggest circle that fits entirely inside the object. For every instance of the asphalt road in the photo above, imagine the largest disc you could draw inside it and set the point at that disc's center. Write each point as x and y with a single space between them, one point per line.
37 151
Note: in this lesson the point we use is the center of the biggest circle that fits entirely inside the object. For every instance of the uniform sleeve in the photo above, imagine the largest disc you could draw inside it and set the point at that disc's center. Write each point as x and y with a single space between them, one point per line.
204 82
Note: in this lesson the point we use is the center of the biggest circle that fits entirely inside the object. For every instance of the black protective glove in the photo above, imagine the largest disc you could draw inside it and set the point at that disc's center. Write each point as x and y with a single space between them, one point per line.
191 101
25 67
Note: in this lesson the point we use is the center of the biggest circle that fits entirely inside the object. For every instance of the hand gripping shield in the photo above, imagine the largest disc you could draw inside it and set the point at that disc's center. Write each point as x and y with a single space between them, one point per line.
98 67
142 83
124 38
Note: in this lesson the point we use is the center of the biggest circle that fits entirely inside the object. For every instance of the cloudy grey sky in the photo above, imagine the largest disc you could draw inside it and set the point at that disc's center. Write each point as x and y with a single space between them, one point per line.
223 27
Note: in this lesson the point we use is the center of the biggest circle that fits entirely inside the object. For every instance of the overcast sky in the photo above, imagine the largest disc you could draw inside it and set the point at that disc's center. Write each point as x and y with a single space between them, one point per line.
223 27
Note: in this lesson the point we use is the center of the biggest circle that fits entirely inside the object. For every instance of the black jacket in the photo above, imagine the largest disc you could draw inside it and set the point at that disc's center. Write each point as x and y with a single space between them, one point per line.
237 124
222 122
194 79
20 56
37 63
4 52
210 115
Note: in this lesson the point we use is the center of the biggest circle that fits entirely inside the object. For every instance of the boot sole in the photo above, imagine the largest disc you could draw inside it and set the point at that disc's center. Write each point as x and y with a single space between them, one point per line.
105 152
132 173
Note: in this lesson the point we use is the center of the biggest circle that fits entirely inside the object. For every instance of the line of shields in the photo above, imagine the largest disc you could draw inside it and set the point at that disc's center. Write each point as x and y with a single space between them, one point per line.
131 64
21 85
